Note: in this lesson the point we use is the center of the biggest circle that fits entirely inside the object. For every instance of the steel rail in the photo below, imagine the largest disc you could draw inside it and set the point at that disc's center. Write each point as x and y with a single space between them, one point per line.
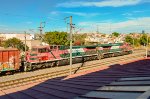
39 78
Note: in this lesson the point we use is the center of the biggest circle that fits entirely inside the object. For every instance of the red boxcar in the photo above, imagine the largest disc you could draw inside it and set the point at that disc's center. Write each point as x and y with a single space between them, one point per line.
9 59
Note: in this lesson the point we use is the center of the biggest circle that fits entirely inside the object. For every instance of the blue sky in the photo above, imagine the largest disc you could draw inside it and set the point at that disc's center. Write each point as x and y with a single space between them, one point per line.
123 16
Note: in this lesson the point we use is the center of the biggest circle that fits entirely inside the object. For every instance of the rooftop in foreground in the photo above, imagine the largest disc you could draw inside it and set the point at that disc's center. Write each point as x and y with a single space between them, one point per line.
119 81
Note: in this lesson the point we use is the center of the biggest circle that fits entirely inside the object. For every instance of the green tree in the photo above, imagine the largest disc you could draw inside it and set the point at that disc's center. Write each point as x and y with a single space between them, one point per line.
56 38
1 43
116 34
143 39
79 39
15 43
129 39
136 42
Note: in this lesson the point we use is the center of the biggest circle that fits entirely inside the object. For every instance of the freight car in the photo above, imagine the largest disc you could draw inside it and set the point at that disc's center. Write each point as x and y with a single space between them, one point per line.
9 60
49 56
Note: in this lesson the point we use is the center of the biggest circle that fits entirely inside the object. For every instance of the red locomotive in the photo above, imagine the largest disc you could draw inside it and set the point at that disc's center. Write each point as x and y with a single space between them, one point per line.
49 56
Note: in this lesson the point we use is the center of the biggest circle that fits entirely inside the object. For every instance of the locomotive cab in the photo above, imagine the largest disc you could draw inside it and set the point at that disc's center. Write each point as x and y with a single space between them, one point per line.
37 53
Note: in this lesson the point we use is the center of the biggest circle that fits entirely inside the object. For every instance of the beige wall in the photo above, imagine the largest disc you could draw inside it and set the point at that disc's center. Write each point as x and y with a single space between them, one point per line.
19 36
31 43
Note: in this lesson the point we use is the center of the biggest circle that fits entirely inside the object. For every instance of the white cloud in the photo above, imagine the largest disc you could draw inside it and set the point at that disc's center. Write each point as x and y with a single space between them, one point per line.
82 14
29 22
131 15
134 12
127 14
104 3
54 12
75 13
2 26
133 25
139 11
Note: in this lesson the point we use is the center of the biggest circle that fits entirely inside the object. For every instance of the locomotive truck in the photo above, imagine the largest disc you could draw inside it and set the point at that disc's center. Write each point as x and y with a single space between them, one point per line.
57 55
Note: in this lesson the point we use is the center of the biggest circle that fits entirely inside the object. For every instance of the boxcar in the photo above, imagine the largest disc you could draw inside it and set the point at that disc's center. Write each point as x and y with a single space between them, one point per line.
9 60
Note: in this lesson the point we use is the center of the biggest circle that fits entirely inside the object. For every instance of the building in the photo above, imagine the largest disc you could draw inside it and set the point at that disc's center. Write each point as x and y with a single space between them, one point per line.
18 36
29 38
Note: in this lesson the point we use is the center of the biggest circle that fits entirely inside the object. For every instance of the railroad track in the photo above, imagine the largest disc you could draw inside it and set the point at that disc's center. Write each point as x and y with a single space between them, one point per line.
136 51
43 77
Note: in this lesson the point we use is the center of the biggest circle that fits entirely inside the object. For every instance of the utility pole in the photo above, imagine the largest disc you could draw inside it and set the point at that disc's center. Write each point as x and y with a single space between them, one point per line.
41 30
67 27
133 40
70 45
68 36
70 39
147 47
97 29
110 29
25 37
24 58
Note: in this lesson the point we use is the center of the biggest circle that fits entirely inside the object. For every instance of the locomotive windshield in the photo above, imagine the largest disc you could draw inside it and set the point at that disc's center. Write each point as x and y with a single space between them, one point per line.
34 49
42 50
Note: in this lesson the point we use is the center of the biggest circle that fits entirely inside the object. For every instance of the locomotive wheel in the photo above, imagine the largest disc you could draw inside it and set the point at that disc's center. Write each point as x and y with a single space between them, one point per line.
73 60
67 62
78 60
27 67
99 57
116 54
52 64
64 62
126 53
112 55
123 53
85 59
89 58
95 57
57 63
3 73
92 57
46 65
130 52
12 72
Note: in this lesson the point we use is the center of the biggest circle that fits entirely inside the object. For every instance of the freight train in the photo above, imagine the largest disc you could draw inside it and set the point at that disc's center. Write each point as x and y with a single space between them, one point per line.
54 55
